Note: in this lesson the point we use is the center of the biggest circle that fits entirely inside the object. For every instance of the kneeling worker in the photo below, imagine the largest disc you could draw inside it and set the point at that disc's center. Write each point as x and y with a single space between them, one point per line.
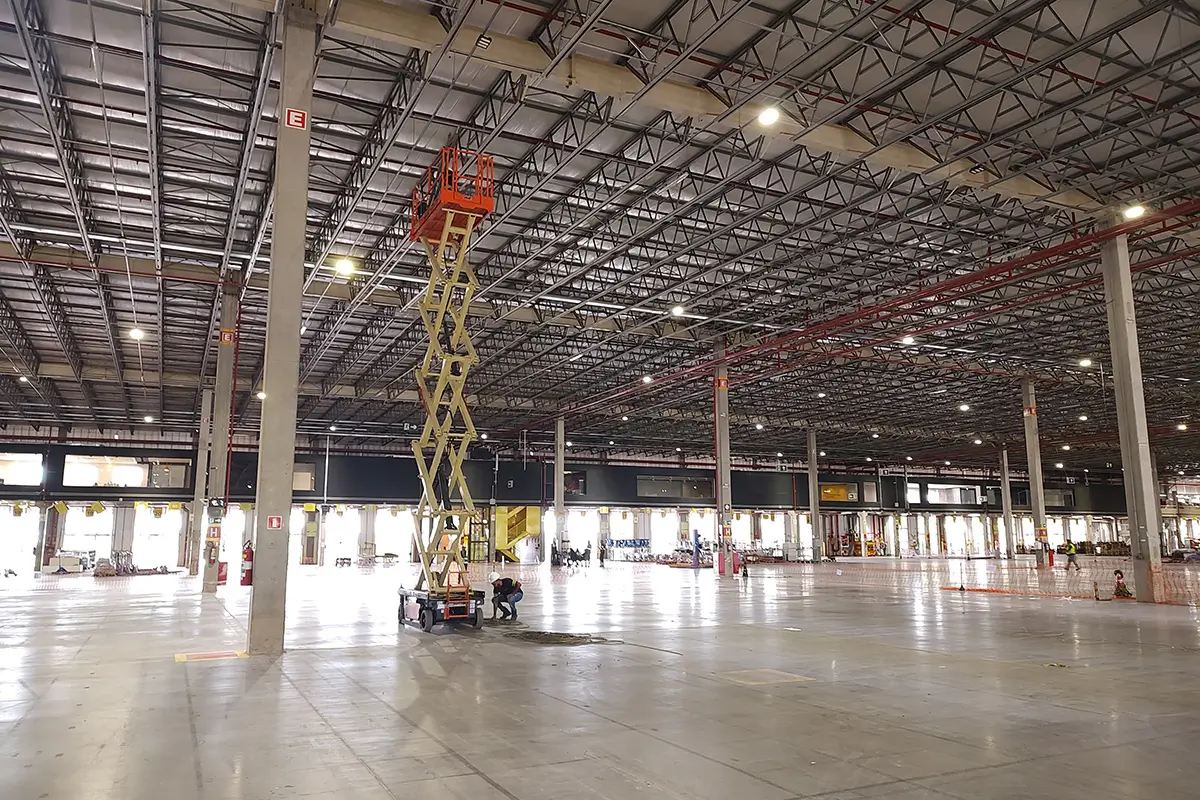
505 590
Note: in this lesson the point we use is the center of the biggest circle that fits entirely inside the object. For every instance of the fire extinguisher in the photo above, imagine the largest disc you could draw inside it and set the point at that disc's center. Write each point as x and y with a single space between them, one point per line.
248 565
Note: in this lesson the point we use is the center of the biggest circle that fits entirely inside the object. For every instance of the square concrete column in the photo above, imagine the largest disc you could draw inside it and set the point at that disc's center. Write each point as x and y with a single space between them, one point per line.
1006 506
814 496
222 417
1033 454
1141 485
560 484
366 533
197 511
724 552
123 516
277 432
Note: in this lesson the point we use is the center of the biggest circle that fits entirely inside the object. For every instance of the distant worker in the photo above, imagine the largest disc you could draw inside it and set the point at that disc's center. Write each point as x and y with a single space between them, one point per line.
1072 556
601 552
505 590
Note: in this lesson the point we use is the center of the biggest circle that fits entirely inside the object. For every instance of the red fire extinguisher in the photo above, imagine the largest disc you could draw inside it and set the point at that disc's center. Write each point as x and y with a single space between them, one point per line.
248 565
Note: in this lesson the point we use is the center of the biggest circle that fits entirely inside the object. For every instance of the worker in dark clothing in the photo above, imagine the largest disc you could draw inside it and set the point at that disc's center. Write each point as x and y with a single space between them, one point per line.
505 591
441 492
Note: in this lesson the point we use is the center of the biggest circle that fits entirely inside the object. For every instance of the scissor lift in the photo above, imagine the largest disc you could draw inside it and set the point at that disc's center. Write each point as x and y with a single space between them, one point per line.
455 194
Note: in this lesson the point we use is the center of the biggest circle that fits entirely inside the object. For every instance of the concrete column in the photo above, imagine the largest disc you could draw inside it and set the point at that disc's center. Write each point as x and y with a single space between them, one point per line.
724 470
44 511
222 413
199 496
1033 453
277 433
560 484
605 532
814 496
123 516
1006 506
931 538
1087 528
914 533
366 533
789 535
1141 493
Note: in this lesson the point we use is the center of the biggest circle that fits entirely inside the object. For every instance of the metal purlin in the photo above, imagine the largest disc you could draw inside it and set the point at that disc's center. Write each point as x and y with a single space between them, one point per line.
441 379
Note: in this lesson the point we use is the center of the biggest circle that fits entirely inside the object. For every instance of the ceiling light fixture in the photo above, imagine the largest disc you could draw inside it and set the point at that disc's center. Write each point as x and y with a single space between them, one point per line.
1085 362
779 455
147 418
874 435
483 436
947 463
822 453
261 395
908 458
1066 447
1133 212
758 426
646 379
977 169
768 116
964 407
483 42
624 419
1181 427
908 340
1059 465
820 394
344 266
979 441
568 444
333 427
869 458
23 379
678 449
137 334
1083 417
677 311
610 441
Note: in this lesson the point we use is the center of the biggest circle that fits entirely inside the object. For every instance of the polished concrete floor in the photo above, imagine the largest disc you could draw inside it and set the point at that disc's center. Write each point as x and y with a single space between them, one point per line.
796 683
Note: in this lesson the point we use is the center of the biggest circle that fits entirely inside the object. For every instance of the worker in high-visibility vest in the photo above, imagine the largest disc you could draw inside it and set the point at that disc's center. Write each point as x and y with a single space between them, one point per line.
1072 556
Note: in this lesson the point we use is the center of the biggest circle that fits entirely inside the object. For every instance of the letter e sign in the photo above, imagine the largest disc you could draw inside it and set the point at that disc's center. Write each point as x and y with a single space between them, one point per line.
295 118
